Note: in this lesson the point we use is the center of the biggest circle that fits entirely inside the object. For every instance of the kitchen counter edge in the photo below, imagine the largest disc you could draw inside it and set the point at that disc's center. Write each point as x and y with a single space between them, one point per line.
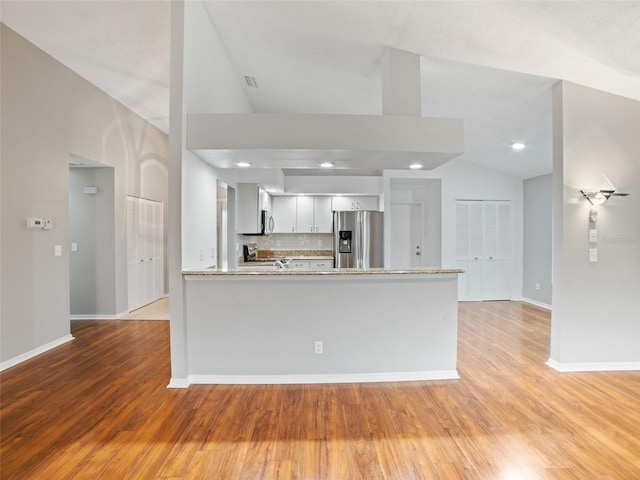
333 271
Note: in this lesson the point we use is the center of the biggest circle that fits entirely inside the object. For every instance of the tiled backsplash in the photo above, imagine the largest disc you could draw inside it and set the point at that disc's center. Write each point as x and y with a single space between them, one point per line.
288 241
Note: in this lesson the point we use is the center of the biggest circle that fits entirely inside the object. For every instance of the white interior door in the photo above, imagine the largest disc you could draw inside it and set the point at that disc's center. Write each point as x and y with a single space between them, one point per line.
145 264
407 235
483 249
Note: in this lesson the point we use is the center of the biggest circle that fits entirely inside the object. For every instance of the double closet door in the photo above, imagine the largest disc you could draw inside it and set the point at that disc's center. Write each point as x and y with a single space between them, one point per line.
483 249
145 269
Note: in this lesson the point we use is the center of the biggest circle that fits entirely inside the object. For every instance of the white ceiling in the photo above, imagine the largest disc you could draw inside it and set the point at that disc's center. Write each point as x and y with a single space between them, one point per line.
324 57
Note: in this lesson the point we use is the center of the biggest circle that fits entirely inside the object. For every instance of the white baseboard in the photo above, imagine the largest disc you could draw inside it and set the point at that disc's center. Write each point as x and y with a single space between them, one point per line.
536 303
312 379
593 366
36 351
179 383
98 316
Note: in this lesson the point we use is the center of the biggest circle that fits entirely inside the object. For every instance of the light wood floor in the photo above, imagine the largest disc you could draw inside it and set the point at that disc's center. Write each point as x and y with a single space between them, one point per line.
158 310
98 407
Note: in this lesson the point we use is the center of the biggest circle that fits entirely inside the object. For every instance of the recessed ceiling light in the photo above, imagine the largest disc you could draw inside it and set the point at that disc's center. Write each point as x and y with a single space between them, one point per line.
327 164
415 166
518 146
243 164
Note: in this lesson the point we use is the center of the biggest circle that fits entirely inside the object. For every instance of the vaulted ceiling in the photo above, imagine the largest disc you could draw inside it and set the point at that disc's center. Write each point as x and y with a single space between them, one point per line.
491 63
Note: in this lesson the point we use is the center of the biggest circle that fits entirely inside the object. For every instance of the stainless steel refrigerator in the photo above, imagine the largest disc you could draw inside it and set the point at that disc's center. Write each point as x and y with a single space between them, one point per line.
358 239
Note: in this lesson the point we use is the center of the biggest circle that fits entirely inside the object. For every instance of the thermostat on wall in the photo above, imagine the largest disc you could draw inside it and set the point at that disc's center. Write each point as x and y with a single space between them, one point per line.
35 223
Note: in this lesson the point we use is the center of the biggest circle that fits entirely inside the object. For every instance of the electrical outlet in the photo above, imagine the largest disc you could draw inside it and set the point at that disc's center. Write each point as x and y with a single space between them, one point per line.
74 247
537 286
201 254
318 346
320 243
593 254
593 235
213 252
57 250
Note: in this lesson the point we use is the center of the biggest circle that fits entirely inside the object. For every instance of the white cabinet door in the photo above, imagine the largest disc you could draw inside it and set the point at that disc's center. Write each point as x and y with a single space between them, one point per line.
323 216
320 264
310 264
302 214
284 214
343 203
251 199
304 218
299 265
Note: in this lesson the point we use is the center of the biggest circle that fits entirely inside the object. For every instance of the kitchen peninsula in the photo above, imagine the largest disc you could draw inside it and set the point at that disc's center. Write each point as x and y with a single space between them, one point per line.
336 325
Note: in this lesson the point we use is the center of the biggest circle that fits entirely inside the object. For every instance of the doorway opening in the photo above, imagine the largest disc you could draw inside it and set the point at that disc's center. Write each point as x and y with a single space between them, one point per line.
92 275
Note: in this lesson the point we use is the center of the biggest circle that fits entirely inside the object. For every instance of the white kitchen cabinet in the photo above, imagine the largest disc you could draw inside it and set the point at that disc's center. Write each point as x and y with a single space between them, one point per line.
302 214
284 214
314 214
343 203
322 264
483 249
299 264
251 199
323 215
304 217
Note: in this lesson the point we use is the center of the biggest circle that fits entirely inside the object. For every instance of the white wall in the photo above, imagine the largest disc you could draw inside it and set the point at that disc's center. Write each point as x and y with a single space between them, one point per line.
333 184
202 80
596 312
200 213
538 195
463 181
49 113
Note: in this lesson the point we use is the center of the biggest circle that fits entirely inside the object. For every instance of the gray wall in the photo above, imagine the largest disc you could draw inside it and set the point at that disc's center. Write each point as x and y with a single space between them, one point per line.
92 229
596 312
538 194
48 113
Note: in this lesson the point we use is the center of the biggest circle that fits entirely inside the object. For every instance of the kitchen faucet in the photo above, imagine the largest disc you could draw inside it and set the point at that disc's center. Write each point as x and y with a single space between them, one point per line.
282 264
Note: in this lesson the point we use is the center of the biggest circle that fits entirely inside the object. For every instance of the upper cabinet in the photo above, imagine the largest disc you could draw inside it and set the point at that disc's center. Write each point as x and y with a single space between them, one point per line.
302 214
343 203
251 201
284 214
314 214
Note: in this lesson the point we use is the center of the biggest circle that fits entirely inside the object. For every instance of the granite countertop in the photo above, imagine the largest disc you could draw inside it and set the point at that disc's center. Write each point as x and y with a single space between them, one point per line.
333 271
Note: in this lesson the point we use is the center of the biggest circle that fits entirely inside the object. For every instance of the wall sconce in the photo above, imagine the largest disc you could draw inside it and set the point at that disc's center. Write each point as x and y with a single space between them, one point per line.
600 196
604 192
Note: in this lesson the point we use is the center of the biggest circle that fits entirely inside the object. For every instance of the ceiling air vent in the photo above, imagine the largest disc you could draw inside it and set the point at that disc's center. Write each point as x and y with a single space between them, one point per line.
251 81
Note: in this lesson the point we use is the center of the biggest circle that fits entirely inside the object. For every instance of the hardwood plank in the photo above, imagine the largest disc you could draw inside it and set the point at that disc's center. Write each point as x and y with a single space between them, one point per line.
98 407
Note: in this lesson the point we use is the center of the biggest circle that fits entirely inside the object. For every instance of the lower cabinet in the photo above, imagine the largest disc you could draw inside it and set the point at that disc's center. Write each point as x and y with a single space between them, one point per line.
310 264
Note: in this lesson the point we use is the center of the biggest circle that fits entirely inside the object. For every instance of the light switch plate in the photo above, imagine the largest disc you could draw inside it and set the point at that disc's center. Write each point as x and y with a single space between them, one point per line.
593 235
593 254
74 247
57 250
